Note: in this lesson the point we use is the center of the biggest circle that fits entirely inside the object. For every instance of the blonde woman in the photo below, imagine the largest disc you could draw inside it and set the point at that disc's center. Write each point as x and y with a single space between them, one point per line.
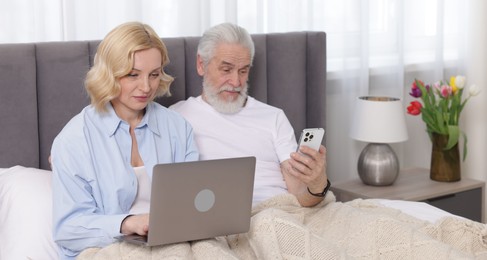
103 158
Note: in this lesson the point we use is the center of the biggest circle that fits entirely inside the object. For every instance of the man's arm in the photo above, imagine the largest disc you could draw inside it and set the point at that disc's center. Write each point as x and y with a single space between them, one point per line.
303 172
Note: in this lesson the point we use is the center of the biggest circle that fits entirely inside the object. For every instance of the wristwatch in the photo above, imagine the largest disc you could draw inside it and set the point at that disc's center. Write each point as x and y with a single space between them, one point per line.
323 193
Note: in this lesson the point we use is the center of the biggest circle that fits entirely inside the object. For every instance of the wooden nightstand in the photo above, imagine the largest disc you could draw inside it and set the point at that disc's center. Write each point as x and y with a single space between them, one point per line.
464 198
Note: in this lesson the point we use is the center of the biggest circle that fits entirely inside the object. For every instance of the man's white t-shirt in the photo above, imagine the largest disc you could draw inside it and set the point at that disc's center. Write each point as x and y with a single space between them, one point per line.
258 130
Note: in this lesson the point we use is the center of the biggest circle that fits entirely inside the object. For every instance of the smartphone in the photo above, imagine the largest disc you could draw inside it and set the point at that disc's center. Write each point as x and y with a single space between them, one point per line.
311 137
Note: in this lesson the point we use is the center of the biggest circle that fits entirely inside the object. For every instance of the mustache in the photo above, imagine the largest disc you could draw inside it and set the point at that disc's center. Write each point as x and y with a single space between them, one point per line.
230 88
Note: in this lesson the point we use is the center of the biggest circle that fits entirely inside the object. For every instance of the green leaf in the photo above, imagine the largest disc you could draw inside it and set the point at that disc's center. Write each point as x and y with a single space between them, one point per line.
464 146
440 123
453 135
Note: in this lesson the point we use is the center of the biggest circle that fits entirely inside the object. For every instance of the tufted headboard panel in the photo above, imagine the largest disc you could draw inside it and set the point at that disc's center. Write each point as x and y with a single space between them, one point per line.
41 86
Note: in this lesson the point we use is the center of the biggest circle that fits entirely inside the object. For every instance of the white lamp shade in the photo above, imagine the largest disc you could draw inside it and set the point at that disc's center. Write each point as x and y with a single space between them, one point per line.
379 120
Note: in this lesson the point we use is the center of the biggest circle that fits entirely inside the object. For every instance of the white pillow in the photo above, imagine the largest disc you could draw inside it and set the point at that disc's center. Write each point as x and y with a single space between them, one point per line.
26 214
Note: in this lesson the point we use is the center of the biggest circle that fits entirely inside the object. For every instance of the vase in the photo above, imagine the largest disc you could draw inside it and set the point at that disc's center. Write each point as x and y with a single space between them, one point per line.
445 163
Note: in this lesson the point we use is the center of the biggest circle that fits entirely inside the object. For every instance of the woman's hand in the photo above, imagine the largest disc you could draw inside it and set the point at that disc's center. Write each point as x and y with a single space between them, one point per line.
135 224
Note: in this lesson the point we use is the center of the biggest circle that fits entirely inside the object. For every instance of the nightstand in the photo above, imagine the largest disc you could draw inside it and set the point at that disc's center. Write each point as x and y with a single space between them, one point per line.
463 198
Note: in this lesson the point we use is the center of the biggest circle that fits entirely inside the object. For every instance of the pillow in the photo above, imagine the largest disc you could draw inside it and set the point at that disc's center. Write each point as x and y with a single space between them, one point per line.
26 214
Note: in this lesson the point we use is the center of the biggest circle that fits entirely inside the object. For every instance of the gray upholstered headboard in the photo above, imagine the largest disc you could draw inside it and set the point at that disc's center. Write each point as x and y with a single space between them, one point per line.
41 86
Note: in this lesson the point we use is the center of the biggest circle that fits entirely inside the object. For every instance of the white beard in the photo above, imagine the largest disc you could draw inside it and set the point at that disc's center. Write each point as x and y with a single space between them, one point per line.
224 106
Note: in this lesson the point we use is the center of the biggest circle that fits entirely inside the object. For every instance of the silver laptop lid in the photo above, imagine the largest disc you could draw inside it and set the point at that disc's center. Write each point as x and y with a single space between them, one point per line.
200 199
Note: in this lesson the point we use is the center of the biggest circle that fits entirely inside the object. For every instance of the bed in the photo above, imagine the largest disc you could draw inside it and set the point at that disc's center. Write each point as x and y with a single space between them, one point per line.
41 88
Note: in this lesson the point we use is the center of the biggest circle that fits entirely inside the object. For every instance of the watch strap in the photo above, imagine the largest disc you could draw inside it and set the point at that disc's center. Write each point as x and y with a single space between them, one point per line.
323 193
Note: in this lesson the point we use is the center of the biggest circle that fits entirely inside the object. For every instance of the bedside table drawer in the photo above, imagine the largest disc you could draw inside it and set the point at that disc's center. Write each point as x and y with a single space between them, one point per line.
467 204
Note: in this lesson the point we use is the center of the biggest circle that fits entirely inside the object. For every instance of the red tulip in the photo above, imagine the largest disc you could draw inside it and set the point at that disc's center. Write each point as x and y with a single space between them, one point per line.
414 108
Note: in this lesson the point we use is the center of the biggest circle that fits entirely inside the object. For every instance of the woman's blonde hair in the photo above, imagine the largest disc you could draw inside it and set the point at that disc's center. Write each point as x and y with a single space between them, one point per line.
114 59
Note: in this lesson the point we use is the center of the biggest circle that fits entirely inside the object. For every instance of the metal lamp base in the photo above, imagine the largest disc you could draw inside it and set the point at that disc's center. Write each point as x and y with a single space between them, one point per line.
378 165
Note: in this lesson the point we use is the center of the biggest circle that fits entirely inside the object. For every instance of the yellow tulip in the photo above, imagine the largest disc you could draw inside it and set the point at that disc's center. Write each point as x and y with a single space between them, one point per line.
453 85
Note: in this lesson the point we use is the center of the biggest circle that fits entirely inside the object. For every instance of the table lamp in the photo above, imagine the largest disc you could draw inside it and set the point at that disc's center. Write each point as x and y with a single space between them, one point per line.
378 121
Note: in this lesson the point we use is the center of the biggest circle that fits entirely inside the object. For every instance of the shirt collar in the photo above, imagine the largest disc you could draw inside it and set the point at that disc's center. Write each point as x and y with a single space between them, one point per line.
150 118
113 122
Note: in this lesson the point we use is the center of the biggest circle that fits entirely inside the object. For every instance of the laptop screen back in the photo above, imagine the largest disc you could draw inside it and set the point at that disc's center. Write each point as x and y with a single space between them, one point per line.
201 199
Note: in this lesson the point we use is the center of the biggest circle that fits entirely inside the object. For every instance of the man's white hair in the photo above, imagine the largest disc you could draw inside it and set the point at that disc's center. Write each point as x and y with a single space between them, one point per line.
224 33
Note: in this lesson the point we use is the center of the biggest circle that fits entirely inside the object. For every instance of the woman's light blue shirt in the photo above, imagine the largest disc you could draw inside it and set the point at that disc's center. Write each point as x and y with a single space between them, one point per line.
94 184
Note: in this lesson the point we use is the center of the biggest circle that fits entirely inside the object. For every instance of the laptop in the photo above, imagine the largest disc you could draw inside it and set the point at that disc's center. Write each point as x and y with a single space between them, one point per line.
198 200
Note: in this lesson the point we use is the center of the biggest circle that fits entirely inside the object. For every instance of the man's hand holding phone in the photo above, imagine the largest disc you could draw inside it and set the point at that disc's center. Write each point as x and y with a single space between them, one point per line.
311 137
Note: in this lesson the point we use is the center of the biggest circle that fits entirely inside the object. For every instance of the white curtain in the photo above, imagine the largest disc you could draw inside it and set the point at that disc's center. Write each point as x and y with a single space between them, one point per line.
374 47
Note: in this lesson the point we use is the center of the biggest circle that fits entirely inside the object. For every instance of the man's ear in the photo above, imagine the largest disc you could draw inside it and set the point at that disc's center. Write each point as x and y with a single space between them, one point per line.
200 66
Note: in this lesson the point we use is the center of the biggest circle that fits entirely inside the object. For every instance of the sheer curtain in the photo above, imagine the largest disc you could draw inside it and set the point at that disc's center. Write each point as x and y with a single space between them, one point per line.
375 47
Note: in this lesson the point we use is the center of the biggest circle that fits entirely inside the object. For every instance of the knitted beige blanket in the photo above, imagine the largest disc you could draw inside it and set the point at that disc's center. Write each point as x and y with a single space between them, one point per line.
360 229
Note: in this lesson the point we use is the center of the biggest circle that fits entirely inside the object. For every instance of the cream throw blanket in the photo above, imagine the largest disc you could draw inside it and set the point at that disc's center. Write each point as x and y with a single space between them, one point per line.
360 229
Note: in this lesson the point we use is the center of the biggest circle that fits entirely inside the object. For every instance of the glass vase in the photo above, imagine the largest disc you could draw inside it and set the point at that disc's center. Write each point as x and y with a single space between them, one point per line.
445 163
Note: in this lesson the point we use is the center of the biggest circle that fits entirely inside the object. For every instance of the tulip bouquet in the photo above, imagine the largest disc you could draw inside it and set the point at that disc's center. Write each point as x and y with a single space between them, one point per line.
441 107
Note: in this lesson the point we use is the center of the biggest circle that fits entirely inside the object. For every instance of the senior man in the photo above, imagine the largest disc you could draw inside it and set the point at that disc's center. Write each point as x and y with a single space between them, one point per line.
229 123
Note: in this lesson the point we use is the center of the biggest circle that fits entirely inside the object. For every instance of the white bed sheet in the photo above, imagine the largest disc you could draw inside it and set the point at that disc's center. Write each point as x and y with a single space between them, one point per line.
420 210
